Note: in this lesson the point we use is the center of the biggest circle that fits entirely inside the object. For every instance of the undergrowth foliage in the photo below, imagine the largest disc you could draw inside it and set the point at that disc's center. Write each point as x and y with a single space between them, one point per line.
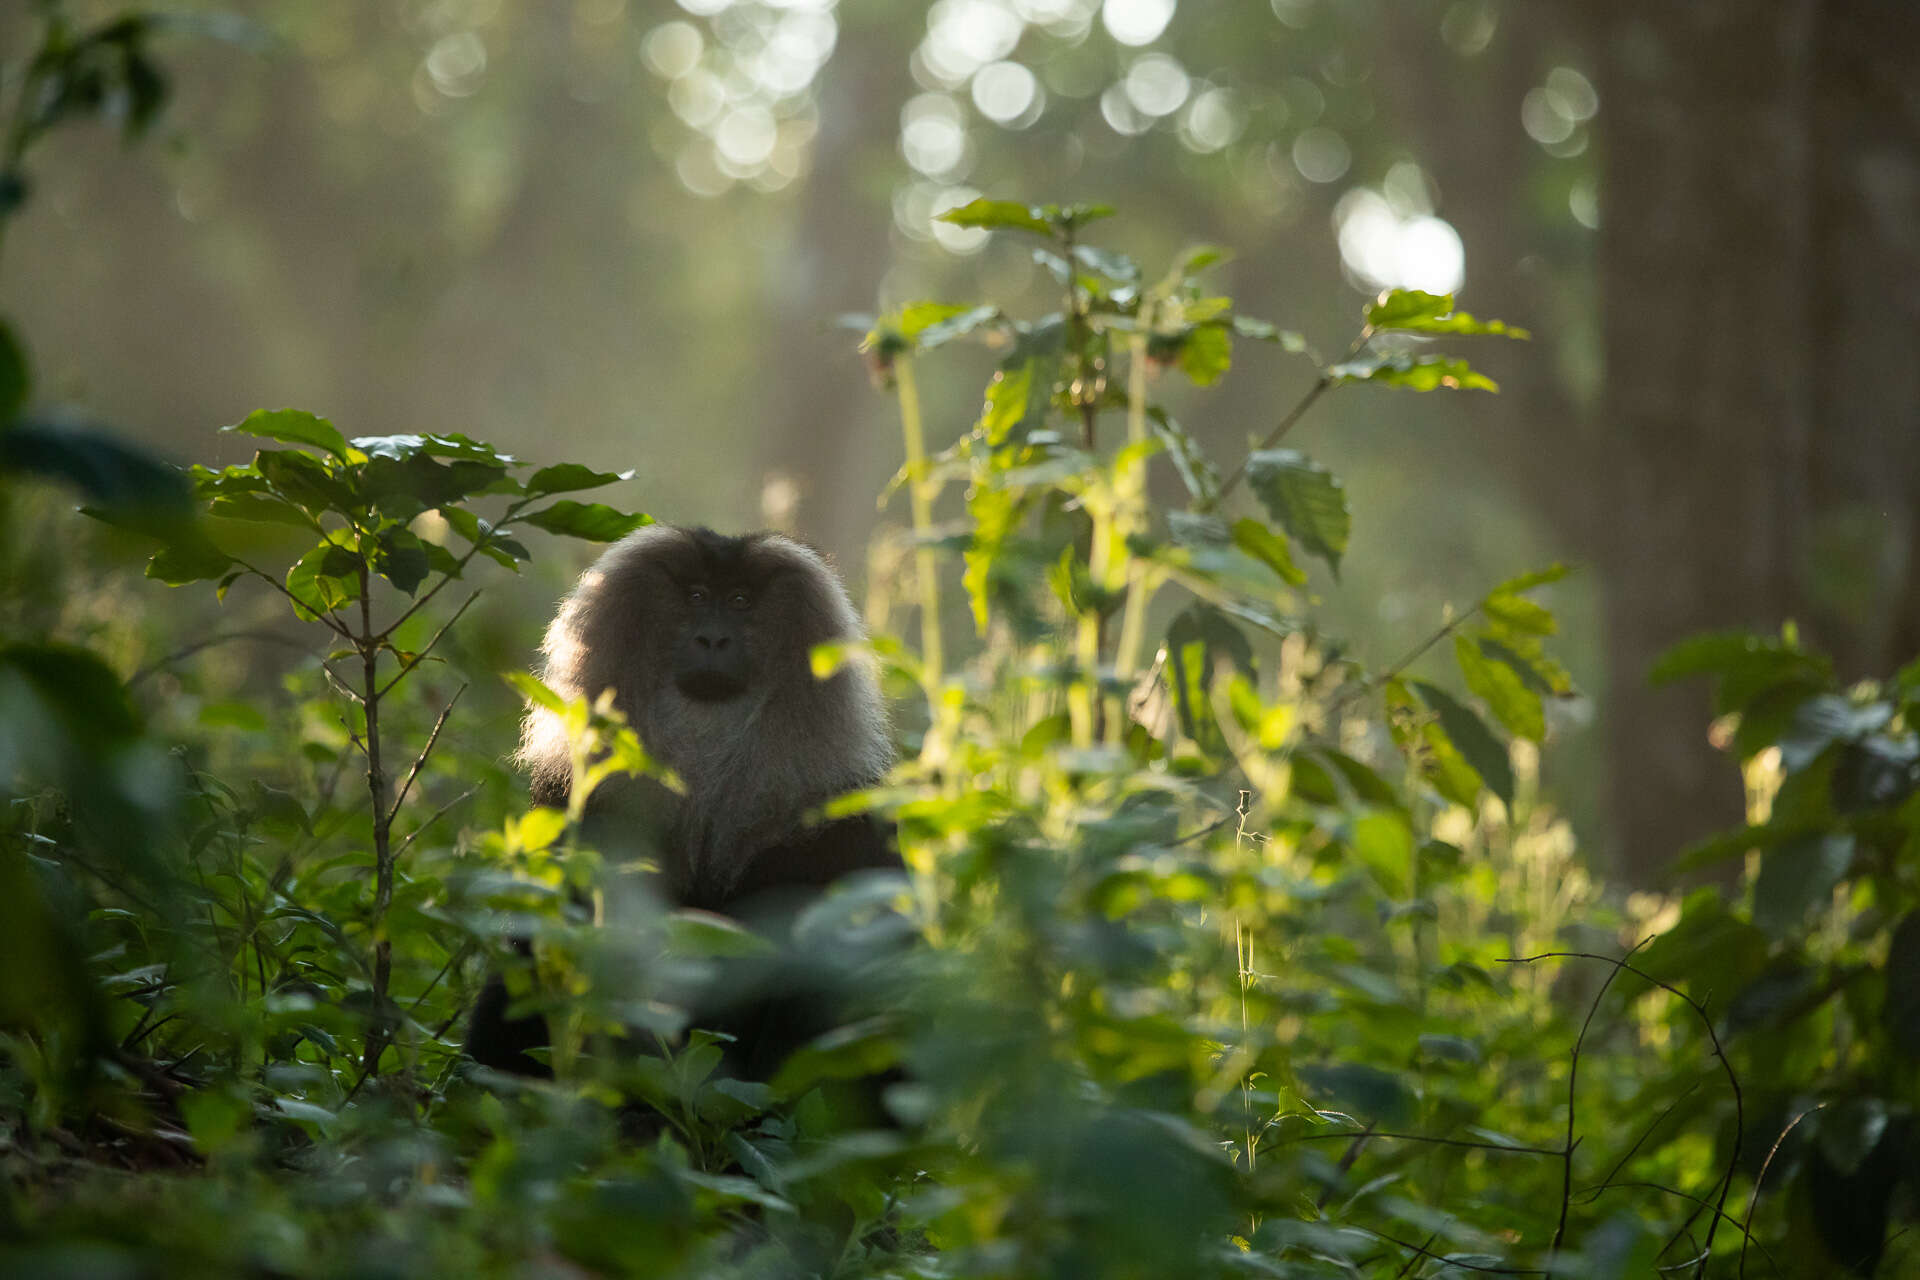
1232 954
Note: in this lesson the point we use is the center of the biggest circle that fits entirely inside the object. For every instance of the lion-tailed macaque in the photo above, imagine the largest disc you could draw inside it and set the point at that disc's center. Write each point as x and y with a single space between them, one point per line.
705 641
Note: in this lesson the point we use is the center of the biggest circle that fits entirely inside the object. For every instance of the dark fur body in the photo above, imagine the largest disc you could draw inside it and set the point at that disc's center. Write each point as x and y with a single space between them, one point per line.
755 760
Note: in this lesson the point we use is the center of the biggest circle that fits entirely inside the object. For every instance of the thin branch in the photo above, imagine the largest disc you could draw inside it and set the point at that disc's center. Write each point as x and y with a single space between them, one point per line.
432 818
406 783
300 606
1719 1051
1424 1252
1418 1137
1293 415
181 654
1573 1084
459 567
1746 1228
406 668
1413 655
1648 1132
1678 1195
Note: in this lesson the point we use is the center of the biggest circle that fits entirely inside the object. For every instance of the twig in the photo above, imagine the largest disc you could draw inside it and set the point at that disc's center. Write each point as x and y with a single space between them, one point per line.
300 606
1293 415
432 818
1719 1051
406 783
1746 1228
1679 1195
1573 1084
1424 1252
1418 1137
1594 1191
181 654
406 668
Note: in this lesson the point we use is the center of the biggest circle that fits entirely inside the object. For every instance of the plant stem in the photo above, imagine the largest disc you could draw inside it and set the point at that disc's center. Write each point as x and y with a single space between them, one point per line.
1133 501
920 492
368 644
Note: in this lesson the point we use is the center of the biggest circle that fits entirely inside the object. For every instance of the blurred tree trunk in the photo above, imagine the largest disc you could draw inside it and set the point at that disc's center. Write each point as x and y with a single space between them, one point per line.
1761 208
817 404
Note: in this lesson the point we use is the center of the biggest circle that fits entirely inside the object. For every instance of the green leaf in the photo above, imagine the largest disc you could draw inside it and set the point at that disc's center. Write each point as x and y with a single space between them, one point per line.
1411 372
293 426
1501 688
401 447
1009 396
1189 459
1415 311
592 521
1821 721
1269 548
1474 741
998 215
568 477
1536 578
1798 875
1747 665
1206 353
400 557
258 507
304 479
959 322
16 375
404 487
1383 843
1305 498
1519 613
324 579
1117 267
182 563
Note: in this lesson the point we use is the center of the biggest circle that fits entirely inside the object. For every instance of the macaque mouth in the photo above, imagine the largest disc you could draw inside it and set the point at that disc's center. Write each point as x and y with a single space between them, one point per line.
705 684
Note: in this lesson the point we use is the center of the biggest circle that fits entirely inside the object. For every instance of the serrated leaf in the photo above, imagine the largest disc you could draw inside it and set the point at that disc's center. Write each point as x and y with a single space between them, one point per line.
293 426
1269 548
593 521
1008 397
569 477
1305 498
1411 372
1495 683
1475 742
998 215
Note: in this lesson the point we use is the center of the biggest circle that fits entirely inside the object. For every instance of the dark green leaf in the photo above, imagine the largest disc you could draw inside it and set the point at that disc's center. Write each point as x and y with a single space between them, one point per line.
127 485
1472 739
1305 498
293 426
1796 877
400 558
191 558
401 447
568 477
304 479
404 487
589 520
1821 721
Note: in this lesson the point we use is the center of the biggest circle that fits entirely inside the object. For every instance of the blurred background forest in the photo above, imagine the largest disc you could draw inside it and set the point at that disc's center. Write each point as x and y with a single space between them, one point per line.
626 229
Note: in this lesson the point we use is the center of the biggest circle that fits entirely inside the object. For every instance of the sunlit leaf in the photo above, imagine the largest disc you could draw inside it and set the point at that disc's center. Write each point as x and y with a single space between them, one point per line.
1412 372
592 521
293 426
1501 688
1305 498
997 215
1269 548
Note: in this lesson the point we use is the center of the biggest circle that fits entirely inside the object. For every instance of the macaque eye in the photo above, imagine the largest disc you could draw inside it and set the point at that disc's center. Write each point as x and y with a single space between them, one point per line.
739 600
696 595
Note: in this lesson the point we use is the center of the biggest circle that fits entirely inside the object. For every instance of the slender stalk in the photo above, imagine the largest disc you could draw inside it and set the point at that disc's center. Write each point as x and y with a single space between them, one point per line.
368 645
1133 501
920 492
